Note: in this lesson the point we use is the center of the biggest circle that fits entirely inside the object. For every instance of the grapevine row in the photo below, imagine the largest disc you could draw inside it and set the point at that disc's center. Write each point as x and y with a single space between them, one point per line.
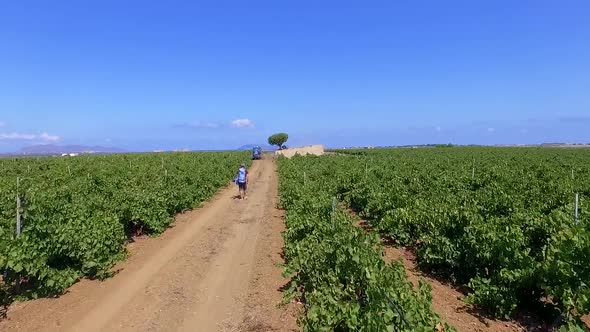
338 270
499 221
78 213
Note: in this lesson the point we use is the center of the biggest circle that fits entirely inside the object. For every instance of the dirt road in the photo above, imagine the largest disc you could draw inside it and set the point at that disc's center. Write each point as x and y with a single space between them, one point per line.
215 270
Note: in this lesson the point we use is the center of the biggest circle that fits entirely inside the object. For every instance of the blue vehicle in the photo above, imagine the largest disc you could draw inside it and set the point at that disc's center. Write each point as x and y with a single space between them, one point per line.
256 153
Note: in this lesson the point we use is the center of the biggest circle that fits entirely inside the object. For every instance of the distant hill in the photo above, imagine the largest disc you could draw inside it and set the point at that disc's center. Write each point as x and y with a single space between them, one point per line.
46 149
265 147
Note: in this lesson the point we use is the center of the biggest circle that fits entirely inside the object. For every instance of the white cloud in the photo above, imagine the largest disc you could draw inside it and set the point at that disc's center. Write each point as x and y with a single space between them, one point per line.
45 137
242 123
48 138
17 136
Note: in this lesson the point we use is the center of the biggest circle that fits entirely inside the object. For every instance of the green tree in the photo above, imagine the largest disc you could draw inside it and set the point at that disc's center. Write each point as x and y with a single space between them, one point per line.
278 139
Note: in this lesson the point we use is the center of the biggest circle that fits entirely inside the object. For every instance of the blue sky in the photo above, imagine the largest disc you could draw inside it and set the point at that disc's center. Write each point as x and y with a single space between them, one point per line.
146 75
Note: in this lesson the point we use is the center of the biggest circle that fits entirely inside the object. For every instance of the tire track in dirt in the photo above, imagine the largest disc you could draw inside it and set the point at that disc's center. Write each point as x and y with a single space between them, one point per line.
200 275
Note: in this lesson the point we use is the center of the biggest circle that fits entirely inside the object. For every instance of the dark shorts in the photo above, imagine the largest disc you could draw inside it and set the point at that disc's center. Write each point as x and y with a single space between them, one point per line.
242 186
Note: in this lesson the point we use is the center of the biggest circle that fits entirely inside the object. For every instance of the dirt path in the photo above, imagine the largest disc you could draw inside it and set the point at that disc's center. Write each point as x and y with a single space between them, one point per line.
215 270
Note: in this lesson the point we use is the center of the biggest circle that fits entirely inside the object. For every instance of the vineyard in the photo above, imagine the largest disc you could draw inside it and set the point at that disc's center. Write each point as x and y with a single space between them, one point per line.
337 269
77 214
499 221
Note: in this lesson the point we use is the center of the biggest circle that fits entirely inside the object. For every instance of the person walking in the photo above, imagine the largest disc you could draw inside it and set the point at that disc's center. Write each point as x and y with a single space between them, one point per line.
242 180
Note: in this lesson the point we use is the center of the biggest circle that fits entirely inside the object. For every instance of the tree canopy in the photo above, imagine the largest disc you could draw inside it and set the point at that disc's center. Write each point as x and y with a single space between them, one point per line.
278 139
